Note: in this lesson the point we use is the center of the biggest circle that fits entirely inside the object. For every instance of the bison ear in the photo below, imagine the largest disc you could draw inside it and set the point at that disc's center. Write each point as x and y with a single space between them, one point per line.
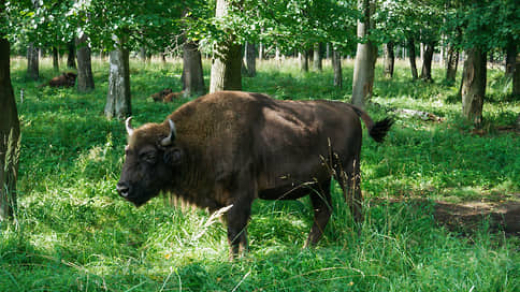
173 156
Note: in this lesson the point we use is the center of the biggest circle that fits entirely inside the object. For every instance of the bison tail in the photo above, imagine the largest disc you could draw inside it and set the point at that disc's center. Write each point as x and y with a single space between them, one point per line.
379 130
376 130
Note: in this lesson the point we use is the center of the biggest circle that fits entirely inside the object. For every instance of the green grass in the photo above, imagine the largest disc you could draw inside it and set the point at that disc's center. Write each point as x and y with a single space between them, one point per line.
73 232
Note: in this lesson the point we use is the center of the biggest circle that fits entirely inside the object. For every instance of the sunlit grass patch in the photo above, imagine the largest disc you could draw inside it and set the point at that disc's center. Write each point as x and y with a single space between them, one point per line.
74 233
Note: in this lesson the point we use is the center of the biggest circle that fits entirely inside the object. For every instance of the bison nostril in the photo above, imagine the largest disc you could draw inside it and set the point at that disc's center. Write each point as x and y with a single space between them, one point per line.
122 190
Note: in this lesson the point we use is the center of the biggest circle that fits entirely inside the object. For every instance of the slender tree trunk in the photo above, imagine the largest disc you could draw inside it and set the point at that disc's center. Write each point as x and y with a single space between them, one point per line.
317 64
303 56
118 98
412 56
85 80
71 58
474 85
336 64
366 56
227 63
426 71
33 62
193 82
452 64
55 59
511 53
9 135
278 56
516 78
250 59
389 60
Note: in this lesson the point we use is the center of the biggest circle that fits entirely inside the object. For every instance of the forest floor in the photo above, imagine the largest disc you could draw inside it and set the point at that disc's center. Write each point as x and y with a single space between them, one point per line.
469 216
503 216
442 198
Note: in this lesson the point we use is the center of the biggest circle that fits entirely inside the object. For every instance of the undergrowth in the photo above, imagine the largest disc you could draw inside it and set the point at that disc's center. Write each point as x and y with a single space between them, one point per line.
73 233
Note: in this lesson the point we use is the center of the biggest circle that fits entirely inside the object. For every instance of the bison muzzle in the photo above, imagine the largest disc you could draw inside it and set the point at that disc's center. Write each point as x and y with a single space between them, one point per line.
230 148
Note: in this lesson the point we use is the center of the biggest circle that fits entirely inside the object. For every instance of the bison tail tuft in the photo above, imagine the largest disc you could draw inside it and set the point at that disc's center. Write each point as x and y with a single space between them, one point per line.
379 130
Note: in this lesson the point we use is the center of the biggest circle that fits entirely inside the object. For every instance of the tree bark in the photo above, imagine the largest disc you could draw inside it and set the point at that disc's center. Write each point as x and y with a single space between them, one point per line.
426 71
303 56
85 80
193 82
516 78
9 136
336 64
227 62
118 97
412 56
452 64
71 58
366 56
317 64
474 85
511 52
33 62
55 59
250 59
389 60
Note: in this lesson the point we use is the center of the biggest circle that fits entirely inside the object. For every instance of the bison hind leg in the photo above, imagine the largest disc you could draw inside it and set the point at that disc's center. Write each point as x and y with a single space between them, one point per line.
322 206
348 176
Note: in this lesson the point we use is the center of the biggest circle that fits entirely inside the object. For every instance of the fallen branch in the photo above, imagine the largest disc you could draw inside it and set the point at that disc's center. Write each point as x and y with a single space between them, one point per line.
425 116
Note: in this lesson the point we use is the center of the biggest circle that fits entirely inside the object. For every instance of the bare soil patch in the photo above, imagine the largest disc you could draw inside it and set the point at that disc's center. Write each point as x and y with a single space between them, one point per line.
471 215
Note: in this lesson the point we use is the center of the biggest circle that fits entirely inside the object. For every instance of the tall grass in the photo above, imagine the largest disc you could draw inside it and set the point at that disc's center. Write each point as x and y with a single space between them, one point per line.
76 234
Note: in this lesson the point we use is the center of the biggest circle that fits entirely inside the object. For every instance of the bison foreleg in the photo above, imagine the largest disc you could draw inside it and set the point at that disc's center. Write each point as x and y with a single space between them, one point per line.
322 205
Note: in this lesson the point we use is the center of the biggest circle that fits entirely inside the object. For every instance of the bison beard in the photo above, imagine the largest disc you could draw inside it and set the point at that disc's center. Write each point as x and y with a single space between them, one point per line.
229 148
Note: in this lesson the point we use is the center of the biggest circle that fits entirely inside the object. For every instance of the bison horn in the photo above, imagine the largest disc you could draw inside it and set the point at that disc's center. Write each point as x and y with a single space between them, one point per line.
168 140
129 128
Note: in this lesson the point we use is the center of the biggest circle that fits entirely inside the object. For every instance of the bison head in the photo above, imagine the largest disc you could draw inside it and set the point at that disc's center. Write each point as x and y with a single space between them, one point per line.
151 159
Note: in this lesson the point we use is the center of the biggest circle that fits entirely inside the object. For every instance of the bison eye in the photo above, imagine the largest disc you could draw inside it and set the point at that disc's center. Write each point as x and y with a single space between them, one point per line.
149 156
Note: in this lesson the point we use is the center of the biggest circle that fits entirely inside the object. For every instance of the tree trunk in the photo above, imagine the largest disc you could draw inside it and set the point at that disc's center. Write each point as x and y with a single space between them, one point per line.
9 136
250 59
474 85
516 78
85 80
33 62
303 56
511 52
317 65
366 56
412 56
227 63
452 64
389 60
55 59
118 97
193 82
71 58
426 71
336 64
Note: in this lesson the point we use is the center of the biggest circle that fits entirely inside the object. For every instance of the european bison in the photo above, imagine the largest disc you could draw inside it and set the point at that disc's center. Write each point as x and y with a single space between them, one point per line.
64 80
166 95
159 96
229 148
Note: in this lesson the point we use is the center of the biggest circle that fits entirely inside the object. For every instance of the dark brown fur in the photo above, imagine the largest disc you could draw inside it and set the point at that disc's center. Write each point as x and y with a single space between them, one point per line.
159 96
65 80
172 96
231 148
